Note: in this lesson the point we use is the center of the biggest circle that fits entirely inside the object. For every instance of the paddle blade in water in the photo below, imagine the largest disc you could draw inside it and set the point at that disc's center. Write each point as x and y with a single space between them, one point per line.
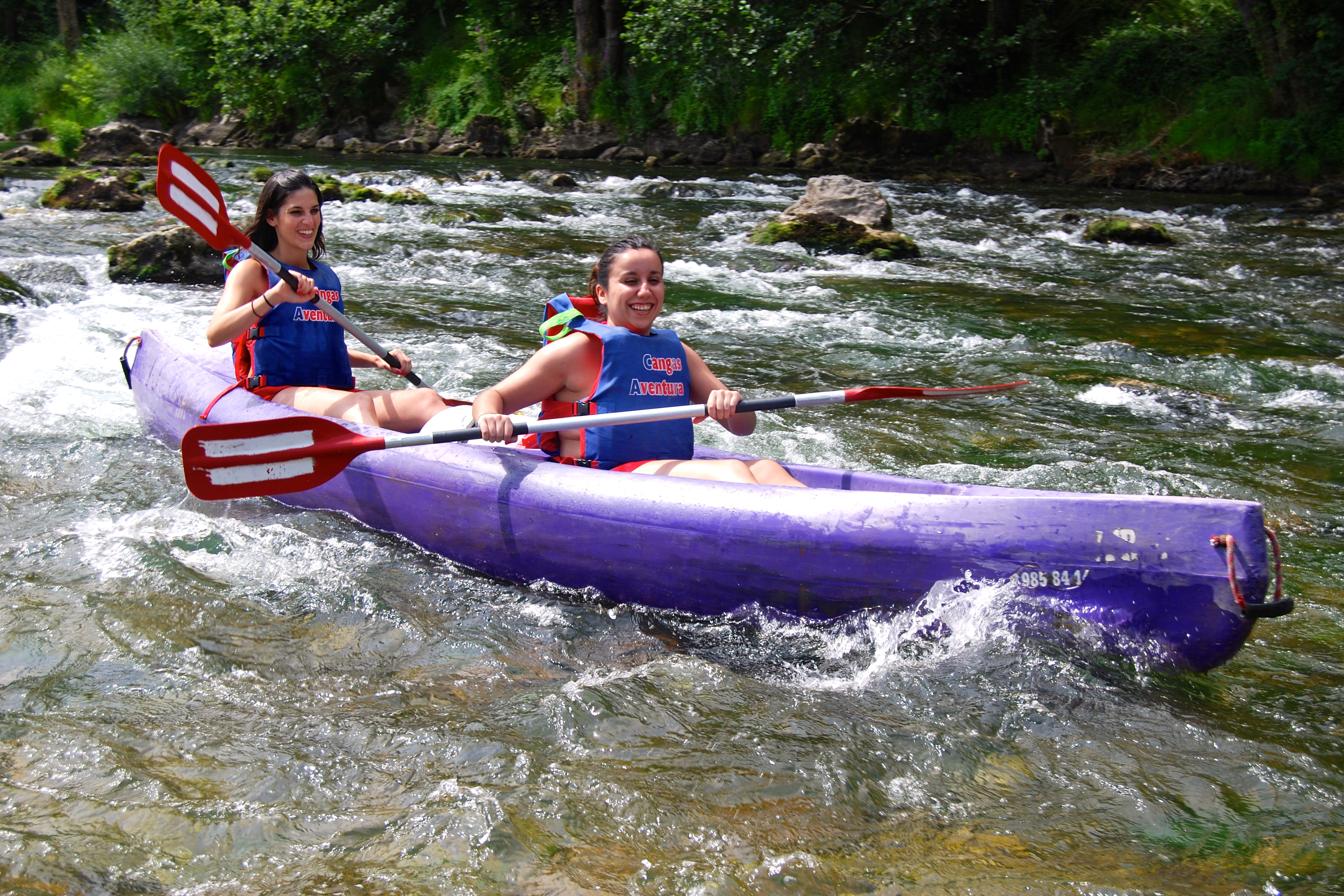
268 457
192 196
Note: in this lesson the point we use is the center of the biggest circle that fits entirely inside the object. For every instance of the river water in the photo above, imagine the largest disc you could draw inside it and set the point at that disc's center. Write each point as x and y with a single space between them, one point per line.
245 698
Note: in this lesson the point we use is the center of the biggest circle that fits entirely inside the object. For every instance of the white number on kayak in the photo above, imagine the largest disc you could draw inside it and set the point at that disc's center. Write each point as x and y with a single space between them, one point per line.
1049 578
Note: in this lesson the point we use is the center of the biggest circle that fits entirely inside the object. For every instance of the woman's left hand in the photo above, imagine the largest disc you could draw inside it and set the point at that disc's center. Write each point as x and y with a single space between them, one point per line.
722 403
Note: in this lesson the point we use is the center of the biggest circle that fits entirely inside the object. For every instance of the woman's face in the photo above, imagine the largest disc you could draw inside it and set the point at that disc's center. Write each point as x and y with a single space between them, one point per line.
634 291
298 219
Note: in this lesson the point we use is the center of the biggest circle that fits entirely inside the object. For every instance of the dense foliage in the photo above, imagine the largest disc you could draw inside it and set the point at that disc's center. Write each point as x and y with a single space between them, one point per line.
1260 81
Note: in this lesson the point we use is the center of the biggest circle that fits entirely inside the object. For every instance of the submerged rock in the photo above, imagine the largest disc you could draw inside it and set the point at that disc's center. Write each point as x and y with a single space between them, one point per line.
554 180
1116 229
826 232
334 190
174 255
12 292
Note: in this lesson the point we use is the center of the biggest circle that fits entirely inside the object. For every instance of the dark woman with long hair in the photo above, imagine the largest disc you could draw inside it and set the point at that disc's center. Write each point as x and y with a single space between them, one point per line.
287 350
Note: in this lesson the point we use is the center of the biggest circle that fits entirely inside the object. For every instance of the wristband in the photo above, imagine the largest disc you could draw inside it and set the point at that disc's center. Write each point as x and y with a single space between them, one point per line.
267 300
252 306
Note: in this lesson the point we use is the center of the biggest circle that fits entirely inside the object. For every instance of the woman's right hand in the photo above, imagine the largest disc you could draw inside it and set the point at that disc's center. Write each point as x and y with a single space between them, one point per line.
283 292
496 427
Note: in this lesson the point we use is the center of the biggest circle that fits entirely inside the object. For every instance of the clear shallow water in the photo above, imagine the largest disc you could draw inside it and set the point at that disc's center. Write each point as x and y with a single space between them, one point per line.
244 698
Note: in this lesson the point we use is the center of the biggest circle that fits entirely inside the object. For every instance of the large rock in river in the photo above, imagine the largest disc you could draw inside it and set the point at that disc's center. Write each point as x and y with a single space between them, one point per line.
108 193
1116 229
839 214
31 156
12 292
839 194
174 255
117 141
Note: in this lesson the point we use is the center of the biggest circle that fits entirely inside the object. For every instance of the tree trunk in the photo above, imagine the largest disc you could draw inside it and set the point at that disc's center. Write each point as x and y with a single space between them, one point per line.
67 20
588 30
601 52
613 50
1284 35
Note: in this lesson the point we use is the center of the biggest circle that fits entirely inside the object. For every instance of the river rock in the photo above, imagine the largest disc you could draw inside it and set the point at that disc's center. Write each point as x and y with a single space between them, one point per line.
226 129
359 144
623 153
839 194
174 255
118 141
812 156
33 135
108 193
826 232
12 292
409 145
305 138
30 156
1114 229
553 180
529 117
488 135
580 140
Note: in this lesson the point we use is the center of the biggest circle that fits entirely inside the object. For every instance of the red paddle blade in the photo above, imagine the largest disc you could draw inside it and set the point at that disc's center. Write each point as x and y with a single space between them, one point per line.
871 393
268 457
193 197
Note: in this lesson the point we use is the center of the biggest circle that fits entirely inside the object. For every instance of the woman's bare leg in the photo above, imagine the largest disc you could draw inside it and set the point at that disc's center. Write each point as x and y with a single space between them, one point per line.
758 472
404 410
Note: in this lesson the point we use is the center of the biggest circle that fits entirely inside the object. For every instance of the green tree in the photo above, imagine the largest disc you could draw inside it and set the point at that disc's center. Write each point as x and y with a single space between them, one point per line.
286 64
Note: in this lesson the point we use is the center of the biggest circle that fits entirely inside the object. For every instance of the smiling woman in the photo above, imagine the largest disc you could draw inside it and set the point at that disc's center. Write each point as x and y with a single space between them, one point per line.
624 363
287 351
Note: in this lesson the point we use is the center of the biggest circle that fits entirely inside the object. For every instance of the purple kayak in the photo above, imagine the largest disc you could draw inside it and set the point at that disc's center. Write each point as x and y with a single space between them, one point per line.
1181 580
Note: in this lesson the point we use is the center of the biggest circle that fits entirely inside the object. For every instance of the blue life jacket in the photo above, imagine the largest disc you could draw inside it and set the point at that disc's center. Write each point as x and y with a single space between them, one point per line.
636 372
296 344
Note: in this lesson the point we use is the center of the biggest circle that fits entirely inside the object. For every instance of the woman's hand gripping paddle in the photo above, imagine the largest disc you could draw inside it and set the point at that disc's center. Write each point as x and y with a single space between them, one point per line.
193 197
295 453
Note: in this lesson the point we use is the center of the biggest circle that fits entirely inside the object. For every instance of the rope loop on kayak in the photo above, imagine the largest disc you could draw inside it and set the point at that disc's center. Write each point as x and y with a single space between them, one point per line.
125 357
1230 543
1276 607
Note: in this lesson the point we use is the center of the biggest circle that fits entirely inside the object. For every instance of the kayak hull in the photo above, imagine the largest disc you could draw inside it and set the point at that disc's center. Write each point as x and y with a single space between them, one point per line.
1143 569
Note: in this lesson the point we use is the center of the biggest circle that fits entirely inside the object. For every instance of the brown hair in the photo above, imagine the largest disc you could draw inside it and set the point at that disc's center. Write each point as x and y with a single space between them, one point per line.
278 188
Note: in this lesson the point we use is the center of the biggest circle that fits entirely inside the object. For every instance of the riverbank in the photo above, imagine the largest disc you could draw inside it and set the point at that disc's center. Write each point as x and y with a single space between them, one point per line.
861 149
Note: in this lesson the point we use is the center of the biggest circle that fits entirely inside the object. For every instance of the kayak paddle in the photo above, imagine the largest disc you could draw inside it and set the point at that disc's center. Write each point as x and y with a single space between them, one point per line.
292 454
185 189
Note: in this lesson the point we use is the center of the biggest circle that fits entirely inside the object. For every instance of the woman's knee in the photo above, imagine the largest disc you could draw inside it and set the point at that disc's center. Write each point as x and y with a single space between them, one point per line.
770 472
734 471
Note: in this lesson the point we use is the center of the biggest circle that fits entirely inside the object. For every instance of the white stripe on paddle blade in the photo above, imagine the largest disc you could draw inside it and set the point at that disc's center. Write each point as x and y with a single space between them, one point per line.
185 176
193 208
246 473
266 444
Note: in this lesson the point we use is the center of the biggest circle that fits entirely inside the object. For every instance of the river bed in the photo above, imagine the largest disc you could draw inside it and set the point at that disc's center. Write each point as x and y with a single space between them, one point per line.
238 697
